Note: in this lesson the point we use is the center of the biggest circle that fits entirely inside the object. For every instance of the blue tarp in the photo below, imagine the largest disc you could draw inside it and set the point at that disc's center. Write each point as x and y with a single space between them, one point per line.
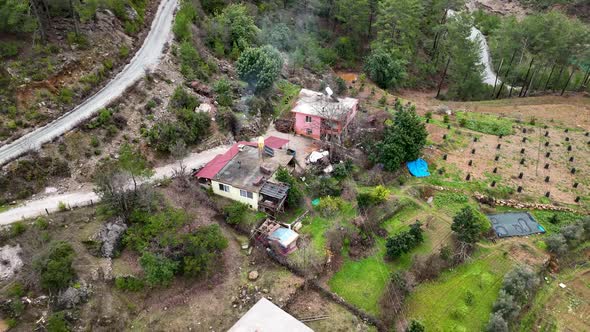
418 168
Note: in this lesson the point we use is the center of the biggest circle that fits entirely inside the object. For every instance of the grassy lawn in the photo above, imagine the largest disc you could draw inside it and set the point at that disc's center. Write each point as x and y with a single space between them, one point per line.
485 123
444 305
362 282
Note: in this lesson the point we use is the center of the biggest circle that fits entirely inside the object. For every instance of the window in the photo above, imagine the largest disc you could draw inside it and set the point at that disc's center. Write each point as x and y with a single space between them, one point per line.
307 118
309 132
245 193
224 187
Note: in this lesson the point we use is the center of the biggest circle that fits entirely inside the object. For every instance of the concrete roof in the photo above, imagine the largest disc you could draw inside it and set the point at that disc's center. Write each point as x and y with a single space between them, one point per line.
264 316
317 104
243 170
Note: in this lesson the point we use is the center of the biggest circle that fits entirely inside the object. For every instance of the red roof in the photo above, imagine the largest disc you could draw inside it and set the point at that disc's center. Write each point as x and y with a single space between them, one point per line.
275 142
216 164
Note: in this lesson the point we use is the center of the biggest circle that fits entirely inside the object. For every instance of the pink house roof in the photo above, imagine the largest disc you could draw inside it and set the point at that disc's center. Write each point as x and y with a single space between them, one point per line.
216 164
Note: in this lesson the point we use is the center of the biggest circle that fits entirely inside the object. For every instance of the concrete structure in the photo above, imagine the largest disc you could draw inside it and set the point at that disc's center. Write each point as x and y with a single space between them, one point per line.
318 115
282 240
245 173
264 316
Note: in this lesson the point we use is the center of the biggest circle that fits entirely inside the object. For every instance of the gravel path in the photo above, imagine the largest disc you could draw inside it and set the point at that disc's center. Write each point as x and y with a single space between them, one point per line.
146 58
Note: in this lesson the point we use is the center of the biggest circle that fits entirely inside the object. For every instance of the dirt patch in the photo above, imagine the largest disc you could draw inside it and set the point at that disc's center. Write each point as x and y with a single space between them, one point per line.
10 261
323 315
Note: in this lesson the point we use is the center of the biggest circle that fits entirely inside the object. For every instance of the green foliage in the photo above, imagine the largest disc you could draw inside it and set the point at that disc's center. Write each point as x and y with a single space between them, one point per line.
487 23
185 17
405 241
465 69
202 248
279 35
260 67
104 118
235 212
330 206
295 194
376 196
569 237
224 93
234 29
485 123
385 69
8 49
159 270
192 65
17 228
16 290
466 226
183 100
123 51
61 206
55 266
212 6
129 284
403 141
57 323
415 326
66 95
78 39
15 16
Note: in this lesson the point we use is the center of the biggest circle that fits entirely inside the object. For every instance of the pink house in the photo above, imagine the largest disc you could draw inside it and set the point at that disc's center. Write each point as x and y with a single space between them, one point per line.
318 115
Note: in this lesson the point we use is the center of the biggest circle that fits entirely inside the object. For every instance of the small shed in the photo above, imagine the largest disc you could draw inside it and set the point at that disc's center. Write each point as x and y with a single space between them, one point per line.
273 196
283 240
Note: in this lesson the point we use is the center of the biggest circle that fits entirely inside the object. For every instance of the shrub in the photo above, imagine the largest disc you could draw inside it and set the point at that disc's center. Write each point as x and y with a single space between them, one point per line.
158 269
224 92
192 66
123 51
295 194
129 283
183 100
235 213
329 206
61 206
57 323
17 228
466 226
183 21
55 266
376 196
405 241
227 120
234 28
203 246
8 49
66 95
415 326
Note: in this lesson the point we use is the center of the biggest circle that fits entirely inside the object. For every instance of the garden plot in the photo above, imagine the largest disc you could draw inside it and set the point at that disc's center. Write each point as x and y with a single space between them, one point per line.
540 159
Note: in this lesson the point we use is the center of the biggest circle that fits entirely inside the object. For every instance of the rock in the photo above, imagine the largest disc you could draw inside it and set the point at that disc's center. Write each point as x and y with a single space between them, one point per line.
265 290
253 275
131 13
74 295
110 236
205 108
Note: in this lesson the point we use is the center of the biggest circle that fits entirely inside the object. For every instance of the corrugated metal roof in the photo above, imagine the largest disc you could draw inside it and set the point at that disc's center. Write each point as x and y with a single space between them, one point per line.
275 190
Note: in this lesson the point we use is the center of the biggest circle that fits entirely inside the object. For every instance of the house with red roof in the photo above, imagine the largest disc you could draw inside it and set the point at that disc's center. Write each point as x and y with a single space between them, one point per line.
245 173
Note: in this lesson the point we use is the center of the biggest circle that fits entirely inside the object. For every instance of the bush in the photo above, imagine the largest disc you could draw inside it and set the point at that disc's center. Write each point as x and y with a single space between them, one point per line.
235 213
55 266
8 49
66 95
183 100
61 206
185 16
57 323
203 247
192 66
158 269
415 326
224 92
129 283
329 206
17 228
123 51
295 194
234 29
376 196
405 241
466 226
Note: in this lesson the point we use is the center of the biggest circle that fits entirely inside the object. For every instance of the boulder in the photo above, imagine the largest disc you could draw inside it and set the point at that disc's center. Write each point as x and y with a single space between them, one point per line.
253 275
74 295
109 236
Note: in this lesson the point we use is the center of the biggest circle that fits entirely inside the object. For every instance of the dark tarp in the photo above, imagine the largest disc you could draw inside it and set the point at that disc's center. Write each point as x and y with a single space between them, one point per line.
515 224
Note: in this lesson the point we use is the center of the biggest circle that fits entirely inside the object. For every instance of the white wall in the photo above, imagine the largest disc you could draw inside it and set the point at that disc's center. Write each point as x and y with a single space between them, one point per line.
234 194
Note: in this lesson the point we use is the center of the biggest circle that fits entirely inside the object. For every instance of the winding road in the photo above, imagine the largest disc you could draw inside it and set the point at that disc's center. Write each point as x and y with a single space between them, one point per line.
147 57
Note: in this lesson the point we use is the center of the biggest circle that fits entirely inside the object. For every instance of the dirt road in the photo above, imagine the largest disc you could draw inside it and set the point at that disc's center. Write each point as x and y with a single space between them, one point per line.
86 196
146 58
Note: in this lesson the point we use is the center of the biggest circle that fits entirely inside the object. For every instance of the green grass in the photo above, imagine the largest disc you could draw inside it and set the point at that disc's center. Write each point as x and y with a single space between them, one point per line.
362 282
485 123
441 305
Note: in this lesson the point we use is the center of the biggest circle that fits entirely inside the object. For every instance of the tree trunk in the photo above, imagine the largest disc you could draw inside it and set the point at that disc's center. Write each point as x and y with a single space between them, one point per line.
443 77
559 76
507 72
526 77
497 73
568 81
39 14
530 82
75 18
549 78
